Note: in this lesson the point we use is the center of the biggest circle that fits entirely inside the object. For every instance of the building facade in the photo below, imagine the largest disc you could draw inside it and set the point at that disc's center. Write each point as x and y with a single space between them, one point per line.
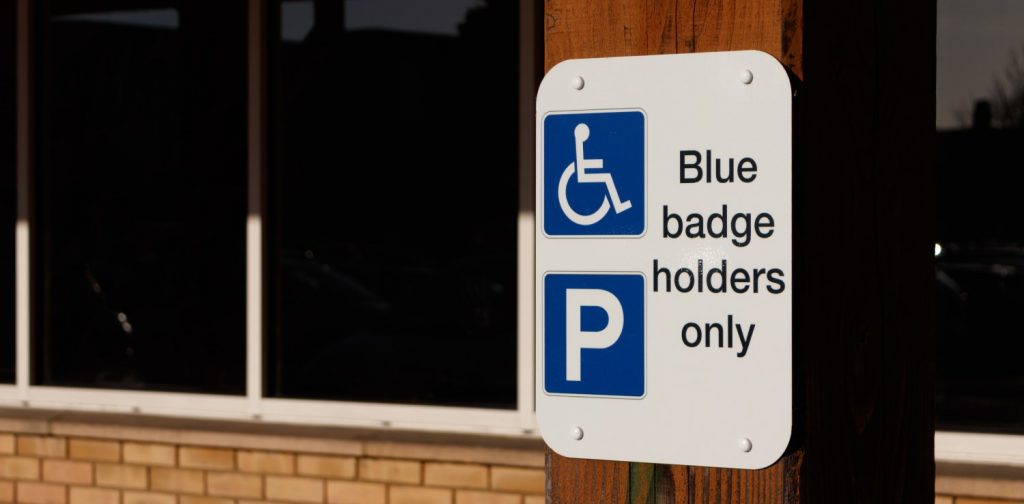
238 262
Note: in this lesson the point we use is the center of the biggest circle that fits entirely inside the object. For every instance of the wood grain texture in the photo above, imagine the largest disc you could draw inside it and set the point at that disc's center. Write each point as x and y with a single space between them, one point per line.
863 273
865 234
580 480
582 28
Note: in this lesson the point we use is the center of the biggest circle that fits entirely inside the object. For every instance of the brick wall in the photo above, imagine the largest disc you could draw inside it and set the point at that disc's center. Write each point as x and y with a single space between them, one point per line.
951 499
56 469
963 483
59 457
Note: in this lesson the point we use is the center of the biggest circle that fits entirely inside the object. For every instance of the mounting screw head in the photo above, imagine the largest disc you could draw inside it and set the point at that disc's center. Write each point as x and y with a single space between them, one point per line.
747 77
746 445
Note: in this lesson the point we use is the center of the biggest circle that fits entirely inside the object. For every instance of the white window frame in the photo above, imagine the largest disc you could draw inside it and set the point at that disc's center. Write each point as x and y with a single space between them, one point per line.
253 405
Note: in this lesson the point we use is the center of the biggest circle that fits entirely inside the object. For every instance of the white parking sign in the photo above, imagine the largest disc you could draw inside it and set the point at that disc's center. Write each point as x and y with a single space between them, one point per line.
664 259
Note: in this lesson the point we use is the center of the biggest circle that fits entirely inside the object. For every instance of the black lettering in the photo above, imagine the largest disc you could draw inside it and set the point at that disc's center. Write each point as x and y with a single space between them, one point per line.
728 177
764 220
687 328
694 229
757 277
745 342
741 237
707 334
747 165
689 284
700 275
721 273
728 324
721 217
668 277
775 277
740 279
670 218
685 178
710 161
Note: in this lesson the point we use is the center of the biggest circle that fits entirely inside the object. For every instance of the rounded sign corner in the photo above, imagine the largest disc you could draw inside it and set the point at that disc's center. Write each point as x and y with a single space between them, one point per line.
777 449
551 75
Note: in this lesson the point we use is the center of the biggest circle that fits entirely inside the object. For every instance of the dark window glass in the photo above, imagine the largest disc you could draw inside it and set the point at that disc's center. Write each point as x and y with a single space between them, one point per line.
141 194
980 249
7 190
393 195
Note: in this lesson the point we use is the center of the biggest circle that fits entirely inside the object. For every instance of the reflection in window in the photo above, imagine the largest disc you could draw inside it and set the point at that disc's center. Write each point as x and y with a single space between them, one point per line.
141 195
390 282
7 190
980 250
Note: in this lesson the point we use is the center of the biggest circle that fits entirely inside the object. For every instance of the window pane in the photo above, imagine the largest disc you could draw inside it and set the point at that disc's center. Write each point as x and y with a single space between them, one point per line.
7 190
980 253
141 194
389 281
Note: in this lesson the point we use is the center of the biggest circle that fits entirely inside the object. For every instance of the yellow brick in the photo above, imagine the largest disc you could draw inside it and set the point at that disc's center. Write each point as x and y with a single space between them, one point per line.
355 492
234 485
148 498
176 480
80 495
534 499
455 475
149 454
514 479
967 500
66 471
328 467
42 446
6 491
190 499
6 443
266 462
419 495
19 468
295 489
88 449
206 458
42 493
478 497
121 476
397 471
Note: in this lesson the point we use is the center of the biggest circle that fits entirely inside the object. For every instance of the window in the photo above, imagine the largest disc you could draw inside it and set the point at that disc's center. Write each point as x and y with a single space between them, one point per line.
140 178
387 281
203 240
980 249
8 191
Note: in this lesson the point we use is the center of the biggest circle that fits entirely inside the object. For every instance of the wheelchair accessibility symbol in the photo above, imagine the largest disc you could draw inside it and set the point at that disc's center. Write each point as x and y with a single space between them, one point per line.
594 170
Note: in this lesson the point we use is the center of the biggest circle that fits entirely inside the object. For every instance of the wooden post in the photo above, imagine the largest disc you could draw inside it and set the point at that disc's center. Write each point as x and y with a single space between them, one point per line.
864 279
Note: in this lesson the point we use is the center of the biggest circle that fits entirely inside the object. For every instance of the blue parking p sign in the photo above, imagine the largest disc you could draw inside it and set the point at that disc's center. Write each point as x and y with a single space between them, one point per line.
594 334
594 171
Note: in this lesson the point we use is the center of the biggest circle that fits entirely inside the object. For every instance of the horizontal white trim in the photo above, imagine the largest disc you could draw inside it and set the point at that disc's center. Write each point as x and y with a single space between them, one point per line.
9 394
974 448
437 418
289 411
135 401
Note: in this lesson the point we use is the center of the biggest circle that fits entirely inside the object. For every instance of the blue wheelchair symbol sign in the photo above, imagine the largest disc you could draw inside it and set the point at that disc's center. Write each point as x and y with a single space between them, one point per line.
594 334
594 171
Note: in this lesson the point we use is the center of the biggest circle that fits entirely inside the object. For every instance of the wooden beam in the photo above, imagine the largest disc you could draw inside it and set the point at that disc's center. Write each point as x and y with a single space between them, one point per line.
863 189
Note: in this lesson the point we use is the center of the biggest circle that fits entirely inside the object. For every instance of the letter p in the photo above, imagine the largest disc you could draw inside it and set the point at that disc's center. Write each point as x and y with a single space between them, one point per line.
576 339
